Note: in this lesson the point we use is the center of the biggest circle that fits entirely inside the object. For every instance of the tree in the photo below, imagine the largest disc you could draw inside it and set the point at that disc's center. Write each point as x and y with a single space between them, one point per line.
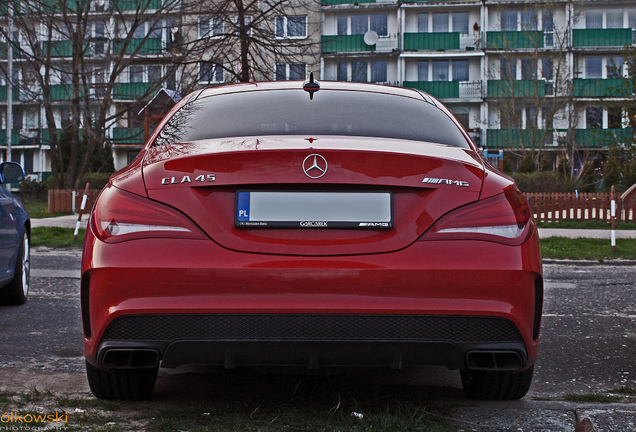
531 84
247 39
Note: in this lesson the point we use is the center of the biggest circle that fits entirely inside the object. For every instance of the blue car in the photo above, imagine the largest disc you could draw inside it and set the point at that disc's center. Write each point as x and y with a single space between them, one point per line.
14 239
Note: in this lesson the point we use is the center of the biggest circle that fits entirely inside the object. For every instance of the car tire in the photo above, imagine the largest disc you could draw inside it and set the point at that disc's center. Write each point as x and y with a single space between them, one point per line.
121 384
17 291
497 385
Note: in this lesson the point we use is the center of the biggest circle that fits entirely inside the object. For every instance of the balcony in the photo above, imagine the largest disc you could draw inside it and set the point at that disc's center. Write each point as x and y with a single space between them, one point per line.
139 46
518 138
60 92
133 5
62 48
133 135
3 93
594 88
131 90
601 37
440 41
603 137
517 88
355 43
448 89
503 40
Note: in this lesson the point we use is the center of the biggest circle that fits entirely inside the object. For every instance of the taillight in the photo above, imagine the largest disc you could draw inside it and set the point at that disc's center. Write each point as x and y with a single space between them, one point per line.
120 216
503 218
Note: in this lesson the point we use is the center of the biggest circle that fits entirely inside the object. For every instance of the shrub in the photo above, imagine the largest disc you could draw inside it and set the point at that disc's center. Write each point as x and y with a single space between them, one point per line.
33 189
545 182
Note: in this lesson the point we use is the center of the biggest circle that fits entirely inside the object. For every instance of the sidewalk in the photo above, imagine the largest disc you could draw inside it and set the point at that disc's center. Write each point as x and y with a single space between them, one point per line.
68 221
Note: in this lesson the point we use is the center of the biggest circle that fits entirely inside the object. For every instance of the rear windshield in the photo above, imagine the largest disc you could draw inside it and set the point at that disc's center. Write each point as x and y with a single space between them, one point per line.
291 112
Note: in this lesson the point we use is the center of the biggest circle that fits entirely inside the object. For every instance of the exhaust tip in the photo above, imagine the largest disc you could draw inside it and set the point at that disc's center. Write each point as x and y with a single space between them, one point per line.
494 360
130 359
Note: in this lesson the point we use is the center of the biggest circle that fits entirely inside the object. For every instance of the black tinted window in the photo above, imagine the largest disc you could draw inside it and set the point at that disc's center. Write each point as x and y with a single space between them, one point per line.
291 112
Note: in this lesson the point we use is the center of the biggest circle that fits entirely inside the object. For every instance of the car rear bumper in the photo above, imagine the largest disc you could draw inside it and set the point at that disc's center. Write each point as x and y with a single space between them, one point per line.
462 304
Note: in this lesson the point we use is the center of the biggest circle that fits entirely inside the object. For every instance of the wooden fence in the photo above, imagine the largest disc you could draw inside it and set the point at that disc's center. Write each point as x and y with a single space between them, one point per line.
61 200
551 207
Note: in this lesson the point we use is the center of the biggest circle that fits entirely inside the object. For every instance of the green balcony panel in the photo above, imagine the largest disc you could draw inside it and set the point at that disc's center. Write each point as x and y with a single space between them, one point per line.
601 37
431 41
133 5
603 137
439 89
128 135
514 39
3 93
58 48
131 90
517 138
613 87
345 43
140 46
516 88
60 92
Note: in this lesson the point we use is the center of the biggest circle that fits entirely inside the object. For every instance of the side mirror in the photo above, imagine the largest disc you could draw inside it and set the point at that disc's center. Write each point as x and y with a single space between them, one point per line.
11 172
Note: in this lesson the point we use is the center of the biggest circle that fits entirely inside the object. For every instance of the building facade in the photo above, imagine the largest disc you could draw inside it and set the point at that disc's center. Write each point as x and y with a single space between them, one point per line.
547 76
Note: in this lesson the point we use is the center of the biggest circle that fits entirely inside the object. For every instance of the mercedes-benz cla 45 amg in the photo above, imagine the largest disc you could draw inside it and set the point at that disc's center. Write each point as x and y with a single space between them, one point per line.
291 224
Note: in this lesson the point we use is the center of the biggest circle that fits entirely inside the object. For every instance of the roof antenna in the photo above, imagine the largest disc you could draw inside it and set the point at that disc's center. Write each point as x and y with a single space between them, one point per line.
311 86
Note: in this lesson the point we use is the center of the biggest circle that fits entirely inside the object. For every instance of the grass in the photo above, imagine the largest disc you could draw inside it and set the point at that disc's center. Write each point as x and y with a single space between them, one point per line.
587 249
38 209
56 237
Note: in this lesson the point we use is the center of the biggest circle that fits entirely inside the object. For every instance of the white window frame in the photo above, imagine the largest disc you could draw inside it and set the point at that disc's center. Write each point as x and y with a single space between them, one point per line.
288 70
285 20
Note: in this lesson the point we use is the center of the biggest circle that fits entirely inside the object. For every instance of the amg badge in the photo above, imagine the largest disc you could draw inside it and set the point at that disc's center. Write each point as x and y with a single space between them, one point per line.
431 180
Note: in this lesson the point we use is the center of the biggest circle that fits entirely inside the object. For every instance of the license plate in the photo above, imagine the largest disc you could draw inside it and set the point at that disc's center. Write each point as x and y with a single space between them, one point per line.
264 209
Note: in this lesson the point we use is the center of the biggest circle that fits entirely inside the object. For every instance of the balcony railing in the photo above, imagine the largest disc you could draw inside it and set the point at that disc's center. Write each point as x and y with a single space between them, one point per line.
601 37
355 43
603 137
132 135
132 5
519 138
139 46
517 88
131 90
503 40
60 92
339 2
613 87
440 41
3 93
448 89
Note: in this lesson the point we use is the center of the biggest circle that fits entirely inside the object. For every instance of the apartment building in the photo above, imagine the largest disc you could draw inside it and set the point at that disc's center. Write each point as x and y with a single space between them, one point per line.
519 75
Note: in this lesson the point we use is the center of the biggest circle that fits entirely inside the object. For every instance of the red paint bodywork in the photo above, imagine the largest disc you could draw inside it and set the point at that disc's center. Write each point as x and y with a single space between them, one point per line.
310 271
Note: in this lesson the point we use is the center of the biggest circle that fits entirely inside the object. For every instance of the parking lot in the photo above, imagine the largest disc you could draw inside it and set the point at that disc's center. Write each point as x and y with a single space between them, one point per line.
587 351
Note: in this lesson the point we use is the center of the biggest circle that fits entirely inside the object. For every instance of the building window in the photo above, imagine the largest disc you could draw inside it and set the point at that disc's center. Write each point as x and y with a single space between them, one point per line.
594 19
528 69
422 70
291 27
440 70
422 23
614 18
136 74
594 117
460 22
593 67
508 69
363 71
290 71
360 24
529 20
210 27
440 22
460 70
210 72
508 20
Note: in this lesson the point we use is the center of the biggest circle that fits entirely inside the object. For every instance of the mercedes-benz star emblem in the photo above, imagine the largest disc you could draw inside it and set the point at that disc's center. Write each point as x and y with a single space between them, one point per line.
315 166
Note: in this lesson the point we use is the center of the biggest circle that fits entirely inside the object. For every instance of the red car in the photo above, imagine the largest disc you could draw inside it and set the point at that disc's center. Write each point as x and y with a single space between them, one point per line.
316 225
